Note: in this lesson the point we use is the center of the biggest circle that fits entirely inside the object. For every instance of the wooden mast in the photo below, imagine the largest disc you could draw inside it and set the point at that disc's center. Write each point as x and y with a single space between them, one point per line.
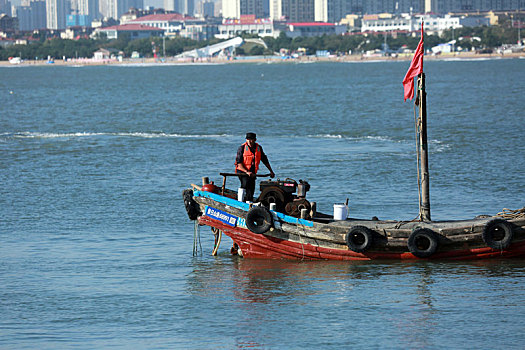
424 207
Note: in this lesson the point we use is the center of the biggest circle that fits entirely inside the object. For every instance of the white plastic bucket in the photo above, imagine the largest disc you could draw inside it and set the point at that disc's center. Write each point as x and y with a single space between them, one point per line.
241 193
340 212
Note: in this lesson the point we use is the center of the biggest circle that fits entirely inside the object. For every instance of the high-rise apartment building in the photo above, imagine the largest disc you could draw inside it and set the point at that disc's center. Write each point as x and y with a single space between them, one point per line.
171 5
293 10
5 7
116 8
443 6
187 7
88 8
32 15
207 8
237 8
56 12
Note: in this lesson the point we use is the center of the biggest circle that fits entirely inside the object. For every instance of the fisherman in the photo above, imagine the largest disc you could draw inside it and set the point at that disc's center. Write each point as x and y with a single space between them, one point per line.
249 155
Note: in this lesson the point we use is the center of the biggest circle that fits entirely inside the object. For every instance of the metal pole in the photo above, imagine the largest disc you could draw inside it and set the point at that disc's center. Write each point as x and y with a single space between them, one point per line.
425 178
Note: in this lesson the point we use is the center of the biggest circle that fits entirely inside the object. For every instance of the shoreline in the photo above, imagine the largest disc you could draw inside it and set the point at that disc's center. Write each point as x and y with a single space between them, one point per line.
267 59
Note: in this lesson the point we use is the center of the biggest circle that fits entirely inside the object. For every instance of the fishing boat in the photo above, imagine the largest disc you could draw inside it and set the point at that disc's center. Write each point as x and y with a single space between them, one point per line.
283 224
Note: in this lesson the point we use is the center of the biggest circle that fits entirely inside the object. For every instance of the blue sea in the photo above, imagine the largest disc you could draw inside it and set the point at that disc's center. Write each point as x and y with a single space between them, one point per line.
96 249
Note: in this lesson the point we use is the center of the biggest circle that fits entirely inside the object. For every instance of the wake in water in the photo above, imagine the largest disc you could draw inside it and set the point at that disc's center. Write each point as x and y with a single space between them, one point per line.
439 146
45 135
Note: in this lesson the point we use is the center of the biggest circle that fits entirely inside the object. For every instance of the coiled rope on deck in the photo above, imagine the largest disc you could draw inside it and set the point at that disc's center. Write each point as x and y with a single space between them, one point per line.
512 214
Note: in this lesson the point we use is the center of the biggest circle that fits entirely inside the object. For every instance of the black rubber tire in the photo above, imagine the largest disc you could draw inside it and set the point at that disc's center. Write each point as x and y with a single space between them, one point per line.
259 220
359 239
192 208
422 242
497 234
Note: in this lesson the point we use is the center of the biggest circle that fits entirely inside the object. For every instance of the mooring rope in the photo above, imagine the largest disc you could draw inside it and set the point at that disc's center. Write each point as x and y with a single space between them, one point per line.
416 129
512 214
196 238
218 237
301 239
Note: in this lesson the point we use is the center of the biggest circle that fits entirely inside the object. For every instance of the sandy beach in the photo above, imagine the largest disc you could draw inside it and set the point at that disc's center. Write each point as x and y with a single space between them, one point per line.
258 59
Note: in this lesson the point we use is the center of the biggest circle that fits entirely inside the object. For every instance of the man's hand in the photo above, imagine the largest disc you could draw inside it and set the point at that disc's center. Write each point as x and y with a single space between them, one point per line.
272 174
250 174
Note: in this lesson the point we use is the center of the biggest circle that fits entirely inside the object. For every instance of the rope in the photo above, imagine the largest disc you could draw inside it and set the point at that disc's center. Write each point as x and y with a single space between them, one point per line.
301 239
416 132
218 236
512 214
196 238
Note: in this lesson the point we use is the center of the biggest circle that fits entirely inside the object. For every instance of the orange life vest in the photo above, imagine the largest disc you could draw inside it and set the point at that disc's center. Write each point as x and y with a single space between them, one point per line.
248 157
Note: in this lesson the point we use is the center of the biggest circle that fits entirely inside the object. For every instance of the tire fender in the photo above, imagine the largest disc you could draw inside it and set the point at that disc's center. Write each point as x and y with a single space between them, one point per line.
259 220
497 234
192 208
359 239
422 242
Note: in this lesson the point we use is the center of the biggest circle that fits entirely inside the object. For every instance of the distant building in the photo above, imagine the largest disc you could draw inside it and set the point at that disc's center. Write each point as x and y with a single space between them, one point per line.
78 21
234 9
389 23
206 8
432 23
352 22
5 7
199 31
135 31
116 8
231 28
445 6
170 23
187 7
105 54
134 13
292 10
56 12
75 33
33 16
87 8
8 24
171 5
314 29
329 10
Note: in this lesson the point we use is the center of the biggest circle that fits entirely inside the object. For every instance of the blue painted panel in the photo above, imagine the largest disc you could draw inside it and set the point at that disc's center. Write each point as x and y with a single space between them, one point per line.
220 215
245 206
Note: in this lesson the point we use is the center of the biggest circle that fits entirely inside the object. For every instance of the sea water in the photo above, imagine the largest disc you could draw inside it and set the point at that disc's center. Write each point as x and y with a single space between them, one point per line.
96 246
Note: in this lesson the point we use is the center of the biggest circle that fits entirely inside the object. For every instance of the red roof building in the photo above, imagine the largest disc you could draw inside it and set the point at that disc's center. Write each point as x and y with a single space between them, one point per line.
135 31
171 23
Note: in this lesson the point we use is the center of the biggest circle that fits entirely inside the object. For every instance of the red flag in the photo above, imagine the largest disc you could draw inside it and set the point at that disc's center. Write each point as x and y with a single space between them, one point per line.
416 68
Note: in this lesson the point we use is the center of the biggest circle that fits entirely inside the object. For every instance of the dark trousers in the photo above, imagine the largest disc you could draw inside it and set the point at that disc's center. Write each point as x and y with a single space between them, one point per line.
248 183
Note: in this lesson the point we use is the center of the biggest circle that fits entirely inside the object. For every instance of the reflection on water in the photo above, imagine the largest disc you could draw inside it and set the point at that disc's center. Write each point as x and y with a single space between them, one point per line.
413 301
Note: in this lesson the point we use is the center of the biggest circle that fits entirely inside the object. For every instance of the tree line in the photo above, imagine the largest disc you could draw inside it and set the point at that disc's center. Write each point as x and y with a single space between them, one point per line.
467 38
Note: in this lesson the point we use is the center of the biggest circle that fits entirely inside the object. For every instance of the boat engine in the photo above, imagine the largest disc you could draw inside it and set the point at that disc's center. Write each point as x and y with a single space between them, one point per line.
282 193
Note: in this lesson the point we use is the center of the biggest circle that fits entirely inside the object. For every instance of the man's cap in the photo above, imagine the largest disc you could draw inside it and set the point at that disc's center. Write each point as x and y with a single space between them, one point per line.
251 136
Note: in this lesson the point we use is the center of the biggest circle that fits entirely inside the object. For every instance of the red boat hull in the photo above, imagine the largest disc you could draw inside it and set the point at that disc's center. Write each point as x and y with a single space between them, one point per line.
266 247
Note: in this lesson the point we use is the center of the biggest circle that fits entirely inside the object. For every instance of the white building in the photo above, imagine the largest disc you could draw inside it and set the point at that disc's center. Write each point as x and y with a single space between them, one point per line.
314 29
135 31
261 26
171 23
405 22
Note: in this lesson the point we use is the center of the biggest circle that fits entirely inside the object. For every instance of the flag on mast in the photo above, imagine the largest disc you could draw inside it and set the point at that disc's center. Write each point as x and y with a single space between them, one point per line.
416 68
